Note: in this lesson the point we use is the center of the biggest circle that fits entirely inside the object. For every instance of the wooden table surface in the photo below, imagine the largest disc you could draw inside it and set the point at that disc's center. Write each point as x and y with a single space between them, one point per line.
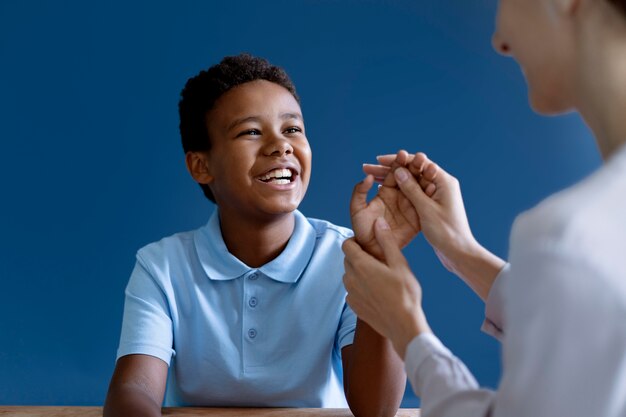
36 411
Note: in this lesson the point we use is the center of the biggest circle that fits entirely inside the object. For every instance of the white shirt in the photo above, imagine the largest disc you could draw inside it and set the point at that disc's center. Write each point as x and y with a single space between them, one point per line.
559 308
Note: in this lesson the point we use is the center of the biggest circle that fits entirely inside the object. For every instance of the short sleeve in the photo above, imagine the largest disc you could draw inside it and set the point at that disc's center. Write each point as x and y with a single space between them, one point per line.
347 327
147 325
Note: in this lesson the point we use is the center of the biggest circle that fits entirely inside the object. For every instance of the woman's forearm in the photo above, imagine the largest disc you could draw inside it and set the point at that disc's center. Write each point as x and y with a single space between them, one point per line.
477 267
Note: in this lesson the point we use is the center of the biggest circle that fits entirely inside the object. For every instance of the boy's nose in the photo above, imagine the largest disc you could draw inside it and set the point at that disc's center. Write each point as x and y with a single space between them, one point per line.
279 147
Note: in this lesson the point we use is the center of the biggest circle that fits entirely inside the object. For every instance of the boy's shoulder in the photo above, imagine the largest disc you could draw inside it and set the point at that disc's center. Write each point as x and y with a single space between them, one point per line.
176 244
324 227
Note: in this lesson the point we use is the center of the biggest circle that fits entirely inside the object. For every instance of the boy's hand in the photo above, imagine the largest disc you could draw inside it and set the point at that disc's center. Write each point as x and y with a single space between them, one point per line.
390 203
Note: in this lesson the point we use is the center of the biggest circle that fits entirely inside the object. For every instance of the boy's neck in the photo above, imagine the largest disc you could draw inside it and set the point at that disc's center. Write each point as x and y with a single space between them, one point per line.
254 242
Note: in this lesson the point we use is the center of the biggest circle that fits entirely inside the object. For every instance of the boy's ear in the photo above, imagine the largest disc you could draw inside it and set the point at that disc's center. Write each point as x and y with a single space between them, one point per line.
199 167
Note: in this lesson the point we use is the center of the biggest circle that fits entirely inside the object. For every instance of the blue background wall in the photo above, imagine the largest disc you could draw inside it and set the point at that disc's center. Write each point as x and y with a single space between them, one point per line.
91 167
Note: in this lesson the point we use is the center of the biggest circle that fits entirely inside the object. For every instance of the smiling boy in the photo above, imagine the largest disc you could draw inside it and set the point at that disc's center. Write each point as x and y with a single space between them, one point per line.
248 310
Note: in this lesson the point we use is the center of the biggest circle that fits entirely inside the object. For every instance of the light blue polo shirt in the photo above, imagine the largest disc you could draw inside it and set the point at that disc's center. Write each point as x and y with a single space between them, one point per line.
239 336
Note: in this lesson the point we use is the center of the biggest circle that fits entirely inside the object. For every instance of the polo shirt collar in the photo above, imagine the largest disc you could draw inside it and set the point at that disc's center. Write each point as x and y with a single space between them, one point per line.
219 264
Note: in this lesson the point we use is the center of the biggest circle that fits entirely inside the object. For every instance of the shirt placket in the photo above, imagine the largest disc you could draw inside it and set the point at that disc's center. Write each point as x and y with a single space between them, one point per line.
252 333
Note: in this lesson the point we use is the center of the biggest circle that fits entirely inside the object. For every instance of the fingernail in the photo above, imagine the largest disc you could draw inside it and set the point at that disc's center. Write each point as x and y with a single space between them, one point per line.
401 175
382 224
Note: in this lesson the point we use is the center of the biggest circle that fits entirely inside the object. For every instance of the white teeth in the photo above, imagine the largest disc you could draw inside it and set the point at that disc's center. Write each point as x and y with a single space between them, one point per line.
280 182
277 173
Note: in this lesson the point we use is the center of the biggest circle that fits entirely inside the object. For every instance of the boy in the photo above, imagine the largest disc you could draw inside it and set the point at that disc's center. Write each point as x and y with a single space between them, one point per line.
250 309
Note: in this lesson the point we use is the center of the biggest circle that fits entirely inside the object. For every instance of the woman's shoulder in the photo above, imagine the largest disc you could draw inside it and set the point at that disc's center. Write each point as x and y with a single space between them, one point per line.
588 218
571 247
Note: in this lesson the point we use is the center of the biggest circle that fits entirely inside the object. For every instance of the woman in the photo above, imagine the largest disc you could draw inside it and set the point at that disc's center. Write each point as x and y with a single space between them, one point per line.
559 304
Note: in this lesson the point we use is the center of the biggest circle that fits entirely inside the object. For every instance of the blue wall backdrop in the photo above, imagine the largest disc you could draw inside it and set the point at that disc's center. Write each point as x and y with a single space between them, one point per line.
91 167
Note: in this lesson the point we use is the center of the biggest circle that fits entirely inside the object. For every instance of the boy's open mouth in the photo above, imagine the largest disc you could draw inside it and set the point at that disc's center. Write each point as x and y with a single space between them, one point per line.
279 176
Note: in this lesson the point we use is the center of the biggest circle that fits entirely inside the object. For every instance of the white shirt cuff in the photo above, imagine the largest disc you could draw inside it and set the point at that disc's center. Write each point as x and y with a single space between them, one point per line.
493 324
420 348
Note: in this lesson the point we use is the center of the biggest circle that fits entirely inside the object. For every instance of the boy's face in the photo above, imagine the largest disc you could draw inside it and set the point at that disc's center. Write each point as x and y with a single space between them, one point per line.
259 163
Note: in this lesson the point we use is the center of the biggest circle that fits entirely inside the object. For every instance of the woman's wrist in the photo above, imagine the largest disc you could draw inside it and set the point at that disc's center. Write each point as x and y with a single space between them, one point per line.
477 267
412 327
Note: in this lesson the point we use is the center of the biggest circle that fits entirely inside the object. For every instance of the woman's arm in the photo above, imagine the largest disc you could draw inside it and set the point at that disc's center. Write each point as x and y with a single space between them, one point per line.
563 348
387 295
436 197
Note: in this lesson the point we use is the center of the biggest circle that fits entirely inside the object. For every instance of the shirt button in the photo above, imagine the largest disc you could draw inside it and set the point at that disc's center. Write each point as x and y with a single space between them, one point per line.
254 276
253 302
252 333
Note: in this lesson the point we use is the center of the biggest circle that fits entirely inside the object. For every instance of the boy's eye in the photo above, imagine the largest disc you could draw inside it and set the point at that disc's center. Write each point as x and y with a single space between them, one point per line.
249 132
293 129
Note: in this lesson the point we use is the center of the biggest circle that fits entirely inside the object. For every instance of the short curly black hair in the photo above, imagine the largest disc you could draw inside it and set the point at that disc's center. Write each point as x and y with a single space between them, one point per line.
202 91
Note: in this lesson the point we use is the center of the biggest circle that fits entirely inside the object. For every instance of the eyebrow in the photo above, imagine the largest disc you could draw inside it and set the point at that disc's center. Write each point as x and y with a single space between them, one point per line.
287 116
283 116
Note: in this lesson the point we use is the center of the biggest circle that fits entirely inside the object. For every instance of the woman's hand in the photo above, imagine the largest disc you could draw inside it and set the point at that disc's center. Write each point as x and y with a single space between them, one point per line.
386 294
436 198
420 166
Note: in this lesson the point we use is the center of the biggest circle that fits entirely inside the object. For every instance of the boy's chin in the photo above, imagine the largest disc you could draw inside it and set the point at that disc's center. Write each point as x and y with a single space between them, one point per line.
280 207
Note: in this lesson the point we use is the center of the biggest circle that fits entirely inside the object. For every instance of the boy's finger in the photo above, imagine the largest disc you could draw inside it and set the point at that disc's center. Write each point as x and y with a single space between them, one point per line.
358 201
390 180
385 238
401 160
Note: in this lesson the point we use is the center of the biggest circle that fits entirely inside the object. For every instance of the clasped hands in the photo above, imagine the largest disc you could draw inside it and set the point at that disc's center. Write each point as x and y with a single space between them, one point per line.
389 203
415 195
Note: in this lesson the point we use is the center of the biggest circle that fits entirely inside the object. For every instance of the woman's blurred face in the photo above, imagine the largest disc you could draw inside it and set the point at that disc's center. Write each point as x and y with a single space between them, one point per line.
535 33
